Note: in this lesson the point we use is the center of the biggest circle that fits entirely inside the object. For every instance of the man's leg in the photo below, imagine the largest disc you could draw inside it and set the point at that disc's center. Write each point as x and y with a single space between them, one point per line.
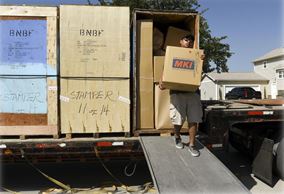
192 133
179 143
192 129
177 129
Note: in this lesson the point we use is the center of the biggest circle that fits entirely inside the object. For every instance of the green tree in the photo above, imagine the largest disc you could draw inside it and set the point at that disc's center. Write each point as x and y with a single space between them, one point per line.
216 52
186 5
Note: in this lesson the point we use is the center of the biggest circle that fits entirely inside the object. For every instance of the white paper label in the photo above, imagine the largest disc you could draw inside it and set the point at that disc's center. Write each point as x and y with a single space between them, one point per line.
53 88
64 99
123 99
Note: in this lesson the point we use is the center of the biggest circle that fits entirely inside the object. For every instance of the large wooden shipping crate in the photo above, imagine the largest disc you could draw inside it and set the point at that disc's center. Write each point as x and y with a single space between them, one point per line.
28 40
94 105
94 41
28 68
167 26
28 105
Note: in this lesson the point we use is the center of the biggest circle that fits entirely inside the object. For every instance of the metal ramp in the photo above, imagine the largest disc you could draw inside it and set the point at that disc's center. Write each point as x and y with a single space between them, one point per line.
176 171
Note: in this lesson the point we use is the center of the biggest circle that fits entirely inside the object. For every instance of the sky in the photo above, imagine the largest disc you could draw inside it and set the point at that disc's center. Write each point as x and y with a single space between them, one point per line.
253 27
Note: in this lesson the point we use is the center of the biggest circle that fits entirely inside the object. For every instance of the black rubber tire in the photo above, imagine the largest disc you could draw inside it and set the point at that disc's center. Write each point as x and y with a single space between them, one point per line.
280 159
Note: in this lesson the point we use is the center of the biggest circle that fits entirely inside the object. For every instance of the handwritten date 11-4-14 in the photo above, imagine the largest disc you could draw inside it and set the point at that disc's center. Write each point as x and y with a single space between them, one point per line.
103 110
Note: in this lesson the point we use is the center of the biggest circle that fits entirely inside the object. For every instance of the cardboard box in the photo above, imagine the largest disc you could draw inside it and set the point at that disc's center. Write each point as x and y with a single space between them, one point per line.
145 48
145 103
158 67
162 109
182 68
94 41
145 107
158 39
174 35
94 105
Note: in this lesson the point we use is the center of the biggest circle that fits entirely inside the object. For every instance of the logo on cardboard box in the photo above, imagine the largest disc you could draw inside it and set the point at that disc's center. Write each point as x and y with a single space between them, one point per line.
183 64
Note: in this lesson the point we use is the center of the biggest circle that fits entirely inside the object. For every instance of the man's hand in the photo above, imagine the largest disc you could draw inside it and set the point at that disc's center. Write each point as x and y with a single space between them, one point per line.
161 85
202 57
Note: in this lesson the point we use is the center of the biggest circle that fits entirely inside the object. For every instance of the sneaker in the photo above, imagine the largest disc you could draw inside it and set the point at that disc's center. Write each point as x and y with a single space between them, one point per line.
194 152
179 144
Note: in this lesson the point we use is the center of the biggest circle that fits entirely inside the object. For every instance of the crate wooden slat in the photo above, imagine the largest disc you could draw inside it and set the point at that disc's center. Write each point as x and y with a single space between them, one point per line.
52 105
28 11
94 105
28 130
52 42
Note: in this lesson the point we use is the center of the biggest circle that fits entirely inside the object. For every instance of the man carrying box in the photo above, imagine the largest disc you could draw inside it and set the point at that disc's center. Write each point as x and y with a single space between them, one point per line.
185 105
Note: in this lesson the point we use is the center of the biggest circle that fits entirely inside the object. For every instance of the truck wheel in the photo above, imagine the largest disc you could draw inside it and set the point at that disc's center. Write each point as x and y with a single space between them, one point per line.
280 159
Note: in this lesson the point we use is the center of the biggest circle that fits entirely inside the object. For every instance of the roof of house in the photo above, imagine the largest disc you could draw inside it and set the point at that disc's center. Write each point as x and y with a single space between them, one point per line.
272 54
250 76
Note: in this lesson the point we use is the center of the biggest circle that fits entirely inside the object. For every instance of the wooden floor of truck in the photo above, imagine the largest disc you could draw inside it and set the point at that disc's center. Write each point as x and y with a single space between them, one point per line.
176 171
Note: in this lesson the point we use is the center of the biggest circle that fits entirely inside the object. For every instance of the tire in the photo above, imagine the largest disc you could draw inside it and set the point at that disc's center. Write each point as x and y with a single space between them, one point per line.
280 159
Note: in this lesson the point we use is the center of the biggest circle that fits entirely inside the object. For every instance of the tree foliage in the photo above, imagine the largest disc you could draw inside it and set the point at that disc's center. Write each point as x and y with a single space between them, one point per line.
216 52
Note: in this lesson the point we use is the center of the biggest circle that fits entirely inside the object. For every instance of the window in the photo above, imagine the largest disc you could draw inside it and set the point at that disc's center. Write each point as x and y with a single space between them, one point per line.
280 74
264 64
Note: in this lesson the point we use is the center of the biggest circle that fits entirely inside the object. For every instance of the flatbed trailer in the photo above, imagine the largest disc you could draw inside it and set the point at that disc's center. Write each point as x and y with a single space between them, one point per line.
172 170
254 127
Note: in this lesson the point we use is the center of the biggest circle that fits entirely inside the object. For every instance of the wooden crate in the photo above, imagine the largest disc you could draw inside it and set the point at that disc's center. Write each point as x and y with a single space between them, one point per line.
28 40
94 41
28 105
161 20
94 105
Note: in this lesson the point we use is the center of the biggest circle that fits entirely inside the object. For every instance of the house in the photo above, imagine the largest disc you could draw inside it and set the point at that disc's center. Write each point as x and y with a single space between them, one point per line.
271 66
214 86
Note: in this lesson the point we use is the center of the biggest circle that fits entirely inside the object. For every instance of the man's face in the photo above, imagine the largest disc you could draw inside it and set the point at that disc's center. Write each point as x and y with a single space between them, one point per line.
186 43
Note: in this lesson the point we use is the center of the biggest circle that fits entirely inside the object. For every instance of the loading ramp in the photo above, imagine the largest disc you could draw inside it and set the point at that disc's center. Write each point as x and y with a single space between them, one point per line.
176 171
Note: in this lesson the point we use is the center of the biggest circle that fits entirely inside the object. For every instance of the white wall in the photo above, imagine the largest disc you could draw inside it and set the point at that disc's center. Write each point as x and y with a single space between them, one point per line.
270 73
280 81
208 89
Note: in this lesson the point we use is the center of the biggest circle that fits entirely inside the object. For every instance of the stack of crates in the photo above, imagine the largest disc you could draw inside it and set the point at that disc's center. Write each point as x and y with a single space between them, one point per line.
28 68
94 69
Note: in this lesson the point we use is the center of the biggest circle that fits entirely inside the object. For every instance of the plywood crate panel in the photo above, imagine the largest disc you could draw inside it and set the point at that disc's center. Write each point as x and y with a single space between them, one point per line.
94 41
94 105
28 40
28 105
